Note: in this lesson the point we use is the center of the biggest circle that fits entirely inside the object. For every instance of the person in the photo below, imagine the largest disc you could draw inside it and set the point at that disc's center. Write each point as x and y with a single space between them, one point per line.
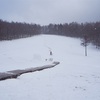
51 53
51 59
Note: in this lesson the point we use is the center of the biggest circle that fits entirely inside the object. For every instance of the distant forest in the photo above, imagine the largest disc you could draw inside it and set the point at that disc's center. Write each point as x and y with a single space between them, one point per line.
16 30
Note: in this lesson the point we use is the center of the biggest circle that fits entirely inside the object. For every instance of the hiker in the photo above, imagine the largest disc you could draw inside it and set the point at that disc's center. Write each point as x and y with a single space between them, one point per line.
51 53
51 59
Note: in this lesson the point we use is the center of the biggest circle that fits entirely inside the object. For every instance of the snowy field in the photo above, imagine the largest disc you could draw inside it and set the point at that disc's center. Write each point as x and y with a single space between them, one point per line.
77 77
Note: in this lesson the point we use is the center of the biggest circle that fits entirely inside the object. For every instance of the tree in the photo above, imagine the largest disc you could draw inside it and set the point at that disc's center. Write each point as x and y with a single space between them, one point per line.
85 43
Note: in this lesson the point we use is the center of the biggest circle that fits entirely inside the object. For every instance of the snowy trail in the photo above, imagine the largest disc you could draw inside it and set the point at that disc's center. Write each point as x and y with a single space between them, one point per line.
16 73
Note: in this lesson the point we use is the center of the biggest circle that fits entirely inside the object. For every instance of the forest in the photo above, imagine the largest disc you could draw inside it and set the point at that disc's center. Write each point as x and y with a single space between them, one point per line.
15 30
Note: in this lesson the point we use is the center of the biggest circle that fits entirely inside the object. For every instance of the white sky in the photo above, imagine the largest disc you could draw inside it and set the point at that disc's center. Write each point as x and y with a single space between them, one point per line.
50 11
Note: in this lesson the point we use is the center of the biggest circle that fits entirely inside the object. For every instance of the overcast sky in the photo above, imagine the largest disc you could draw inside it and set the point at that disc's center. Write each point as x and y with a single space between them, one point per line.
50 11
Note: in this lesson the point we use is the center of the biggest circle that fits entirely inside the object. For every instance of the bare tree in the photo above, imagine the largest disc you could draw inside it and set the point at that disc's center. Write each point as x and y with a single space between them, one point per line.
85 43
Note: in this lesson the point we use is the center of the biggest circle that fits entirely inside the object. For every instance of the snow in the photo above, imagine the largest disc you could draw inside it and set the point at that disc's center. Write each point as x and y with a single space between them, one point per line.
77 77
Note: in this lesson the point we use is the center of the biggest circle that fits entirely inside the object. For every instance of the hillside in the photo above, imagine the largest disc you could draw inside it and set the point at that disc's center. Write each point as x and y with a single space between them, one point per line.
77 77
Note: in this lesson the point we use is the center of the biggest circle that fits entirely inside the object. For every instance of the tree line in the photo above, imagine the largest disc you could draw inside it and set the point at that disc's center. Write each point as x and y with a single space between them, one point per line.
15 30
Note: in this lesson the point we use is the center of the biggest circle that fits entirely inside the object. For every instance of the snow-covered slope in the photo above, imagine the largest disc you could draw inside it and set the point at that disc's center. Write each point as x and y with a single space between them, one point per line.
76 77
